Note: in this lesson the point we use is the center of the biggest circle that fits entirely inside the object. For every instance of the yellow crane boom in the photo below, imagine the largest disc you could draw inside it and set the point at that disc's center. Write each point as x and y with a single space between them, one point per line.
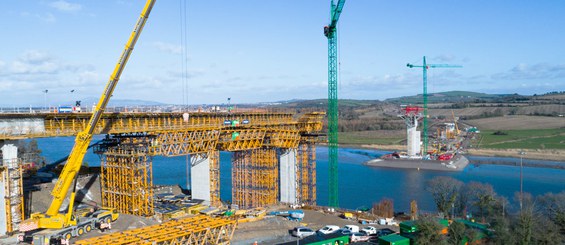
52 218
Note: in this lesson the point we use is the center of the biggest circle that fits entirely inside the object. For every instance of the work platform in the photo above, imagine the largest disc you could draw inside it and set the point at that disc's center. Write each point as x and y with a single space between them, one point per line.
199 229
274 152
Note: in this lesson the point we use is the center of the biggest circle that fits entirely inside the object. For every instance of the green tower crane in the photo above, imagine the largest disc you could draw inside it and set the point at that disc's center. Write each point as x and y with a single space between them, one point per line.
330 32
425 68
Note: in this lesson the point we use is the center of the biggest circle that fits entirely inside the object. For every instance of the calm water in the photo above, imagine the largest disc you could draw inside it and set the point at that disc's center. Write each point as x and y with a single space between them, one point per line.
359 186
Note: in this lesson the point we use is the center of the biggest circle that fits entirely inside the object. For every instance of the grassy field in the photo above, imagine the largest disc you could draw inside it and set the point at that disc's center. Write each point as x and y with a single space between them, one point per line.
524 139
381 137
518 122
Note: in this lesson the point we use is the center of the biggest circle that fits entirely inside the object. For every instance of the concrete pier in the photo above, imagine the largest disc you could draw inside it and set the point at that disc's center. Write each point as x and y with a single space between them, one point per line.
200 177
287 172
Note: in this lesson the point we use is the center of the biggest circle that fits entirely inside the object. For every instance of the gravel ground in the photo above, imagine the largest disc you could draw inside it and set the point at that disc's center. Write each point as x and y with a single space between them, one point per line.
272 230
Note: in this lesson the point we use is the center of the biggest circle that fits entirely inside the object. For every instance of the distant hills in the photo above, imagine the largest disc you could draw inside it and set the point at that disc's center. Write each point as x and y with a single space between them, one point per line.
120 102
440 97
449 97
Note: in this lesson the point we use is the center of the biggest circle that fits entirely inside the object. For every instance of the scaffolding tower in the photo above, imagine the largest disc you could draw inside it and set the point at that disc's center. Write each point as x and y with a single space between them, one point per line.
255 178
306 174
12 191
126 179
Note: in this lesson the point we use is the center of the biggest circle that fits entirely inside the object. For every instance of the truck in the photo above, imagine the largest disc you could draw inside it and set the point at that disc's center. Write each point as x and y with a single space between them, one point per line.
60 227
99 219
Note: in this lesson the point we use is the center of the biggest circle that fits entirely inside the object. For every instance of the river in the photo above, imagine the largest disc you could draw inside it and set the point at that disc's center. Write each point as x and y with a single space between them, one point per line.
359 185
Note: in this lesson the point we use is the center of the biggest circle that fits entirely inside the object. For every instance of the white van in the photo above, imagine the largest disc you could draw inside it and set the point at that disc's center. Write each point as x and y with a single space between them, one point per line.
352 228
328 229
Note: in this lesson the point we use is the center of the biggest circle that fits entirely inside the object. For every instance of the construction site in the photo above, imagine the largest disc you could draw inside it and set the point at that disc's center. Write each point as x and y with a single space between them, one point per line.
273 168
274 162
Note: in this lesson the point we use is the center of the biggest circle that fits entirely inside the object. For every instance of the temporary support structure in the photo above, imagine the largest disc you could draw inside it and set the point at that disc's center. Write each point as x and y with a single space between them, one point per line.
192 230
214 157
306 174
127 180
11 190
255 178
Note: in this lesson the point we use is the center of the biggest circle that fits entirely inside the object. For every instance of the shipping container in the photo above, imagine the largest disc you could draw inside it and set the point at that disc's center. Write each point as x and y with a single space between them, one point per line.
394 239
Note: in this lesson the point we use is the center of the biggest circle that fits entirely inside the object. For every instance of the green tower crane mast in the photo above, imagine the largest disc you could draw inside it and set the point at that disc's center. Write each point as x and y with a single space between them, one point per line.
330 32
425 68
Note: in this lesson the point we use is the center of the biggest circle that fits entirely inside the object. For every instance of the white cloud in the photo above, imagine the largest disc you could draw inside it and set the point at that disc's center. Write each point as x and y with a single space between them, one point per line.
168 47
33 61
65 6
536 71
48 17
444 58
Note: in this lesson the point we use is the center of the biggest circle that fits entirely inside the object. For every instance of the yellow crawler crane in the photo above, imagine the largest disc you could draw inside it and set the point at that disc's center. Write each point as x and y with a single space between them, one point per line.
59 226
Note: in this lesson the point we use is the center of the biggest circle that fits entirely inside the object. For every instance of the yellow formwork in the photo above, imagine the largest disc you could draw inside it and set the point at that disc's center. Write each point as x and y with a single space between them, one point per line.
241 139
127 181
306 173
179 143
214 157
282 138
199 229
311 122
11 175
255 178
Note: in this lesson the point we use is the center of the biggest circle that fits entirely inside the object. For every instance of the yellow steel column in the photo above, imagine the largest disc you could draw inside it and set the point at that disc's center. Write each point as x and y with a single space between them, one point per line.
255 178
127 182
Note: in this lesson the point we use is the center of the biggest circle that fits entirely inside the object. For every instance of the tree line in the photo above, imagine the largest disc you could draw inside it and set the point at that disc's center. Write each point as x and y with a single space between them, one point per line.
528 220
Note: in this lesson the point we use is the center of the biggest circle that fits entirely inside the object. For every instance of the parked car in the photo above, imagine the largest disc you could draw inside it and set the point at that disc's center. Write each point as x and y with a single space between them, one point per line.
352 228
359 237
385 231
344 231
302 232
369 230
328 229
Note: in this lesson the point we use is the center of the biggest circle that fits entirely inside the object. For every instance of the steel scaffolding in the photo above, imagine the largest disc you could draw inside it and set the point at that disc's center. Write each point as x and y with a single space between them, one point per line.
193 230
11 173
306 173
255 178
127 180
214 158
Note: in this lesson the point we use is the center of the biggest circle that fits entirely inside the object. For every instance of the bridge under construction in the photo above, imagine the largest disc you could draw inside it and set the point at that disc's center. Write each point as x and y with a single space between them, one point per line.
274 158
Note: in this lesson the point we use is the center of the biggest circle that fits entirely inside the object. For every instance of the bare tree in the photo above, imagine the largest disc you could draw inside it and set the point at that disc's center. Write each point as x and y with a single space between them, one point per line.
445 191
480 196
525 222
553 207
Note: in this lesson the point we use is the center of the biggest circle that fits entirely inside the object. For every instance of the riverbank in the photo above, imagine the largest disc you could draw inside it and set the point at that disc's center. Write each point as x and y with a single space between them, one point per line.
550 155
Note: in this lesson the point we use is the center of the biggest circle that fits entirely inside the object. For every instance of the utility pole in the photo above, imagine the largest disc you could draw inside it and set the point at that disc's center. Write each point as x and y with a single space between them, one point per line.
45 92
522 153
425 68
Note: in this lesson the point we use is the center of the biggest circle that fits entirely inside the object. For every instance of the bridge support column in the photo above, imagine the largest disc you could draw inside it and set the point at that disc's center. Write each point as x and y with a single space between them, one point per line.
255 178
288 173
205 177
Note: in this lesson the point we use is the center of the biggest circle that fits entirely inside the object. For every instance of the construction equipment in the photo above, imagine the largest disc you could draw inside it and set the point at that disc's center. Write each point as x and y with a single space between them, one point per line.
330 32
64 226
425 68
455 119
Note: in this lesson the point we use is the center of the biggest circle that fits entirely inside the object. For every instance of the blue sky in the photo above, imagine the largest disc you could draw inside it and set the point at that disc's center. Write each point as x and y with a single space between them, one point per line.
258 50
